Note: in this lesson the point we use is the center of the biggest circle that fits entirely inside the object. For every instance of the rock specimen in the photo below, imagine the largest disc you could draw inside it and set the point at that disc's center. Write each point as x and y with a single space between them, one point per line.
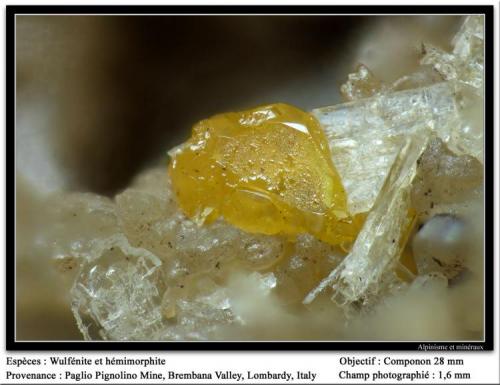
278 224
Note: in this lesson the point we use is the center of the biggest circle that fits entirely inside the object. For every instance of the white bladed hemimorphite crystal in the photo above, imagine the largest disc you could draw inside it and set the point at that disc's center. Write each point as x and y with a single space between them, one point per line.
378 245
366 135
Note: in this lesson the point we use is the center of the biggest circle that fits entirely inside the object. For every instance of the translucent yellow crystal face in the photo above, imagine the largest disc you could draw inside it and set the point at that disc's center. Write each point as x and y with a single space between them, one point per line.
266 170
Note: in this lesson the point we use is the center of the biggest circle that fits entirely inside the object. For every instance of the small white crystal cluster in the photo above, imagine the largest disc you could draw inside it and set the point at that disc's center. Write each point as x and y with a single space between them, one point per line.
143 271
146 272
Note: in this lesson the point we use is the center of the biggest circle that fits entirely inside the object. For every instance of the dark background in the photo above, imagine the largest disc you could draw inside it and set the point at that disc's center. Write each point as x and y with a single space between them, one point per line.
121 90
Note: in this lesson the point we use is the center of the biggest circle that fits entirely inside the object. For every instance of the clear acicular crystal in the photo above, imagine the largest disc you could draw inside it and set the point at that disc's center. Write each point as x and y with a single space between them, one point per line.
153 274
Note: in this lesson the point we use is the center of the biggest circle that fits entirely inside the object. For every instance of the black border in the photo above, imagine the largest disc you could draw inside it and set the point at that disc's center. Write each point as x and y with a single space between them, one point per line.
13 345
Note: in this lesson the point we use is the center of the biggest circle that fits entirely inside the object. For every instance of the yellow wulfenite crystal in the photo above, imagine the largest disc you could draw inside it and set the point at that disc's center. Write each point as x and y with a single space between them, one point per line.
266 170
